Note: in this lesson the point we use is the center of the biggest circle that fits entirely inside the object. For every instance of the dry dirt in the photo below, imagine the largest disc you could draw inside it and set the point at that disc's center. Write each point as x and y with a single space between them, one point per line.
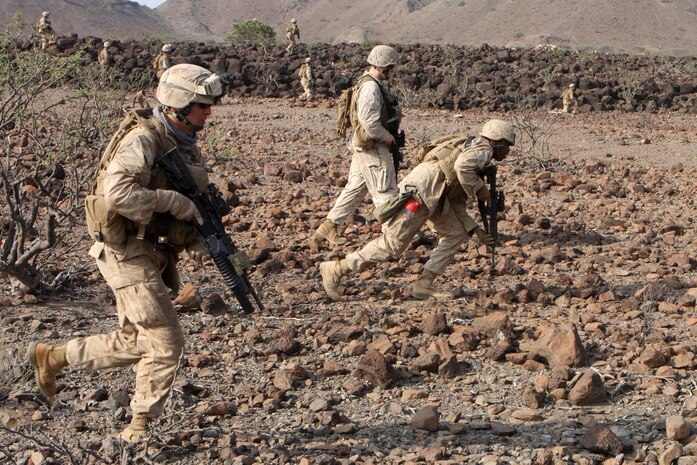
598 233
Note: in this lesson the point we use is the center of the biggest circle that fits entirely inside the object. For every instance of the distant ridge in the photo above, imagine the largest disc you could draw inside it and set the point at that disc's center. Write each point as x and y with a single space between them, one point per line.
629 26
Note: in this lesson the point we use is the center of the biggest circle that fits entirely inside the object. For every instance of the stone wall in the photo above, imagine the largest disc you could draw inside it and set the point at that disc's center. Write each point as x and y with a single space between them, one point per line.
453 77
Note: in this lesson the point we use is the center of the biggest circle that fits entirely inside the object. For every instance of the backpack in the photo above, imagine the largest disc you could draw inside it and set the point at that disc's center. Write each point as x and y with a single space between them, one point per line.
442 147
103 224
345 107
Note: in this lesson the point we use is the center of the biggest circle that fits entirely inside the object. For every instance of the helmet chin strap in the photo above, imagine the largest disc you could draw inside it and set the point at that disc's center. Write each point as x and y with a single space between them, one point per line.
181 116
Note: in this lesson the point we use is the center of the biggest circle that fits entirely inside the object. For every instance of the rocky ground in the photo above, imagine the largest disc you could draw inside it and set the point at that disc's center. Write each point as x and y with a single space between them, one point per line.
429 76
577 348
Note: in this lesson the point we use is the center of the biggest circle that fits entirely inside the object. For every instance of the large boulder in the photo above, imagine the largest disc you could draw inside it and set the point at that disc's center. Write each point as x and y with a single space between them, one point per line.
558 346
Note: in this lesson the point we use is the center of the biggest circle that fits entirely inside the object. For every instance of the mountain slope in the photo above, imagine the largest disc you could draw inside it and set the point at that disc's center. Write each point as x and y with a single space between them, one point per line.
107 19
634 26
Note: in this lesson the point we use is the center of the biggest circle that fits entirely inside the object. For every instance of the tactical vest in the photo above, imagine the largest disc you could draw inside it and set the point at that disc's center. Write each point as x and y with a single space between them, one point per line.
107 226
390 114
44 26
444 152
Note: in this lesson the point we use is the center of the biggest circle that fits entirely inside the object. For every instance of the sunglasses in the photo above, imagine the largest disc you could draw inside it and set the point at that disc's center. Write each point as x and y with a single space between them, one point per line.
204 106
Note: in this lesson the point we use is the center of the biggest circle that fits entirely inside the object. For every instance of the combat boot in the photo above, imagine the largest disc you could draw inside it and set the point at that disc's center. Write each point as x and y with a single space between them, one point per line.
328 232
332 272
47 362
423 288
137 429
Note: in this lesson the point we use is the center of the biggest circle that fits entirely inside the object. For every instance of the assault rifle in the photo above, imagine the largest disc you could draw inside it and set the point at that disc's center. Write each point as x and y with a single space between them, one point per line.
489 212
232 263
399 142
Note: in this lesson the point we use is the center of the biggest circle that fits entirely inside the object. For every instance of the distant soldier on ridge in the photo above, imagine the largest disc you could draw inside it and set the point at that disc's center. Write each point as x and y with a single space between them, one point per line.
162 61
569 99
307 80
45 30
292 31
104 55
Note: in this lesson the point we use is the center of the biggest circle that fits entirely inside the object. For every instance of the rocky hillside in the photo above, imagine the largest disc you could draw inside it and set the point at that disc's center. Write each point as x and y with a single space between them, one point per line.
107 19
631 26
495 79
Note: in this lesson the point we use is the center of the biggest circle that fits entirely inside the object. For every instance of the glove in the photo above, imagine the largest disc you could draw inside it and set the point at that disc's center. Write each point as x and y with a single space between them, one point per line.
483 194
198 252
178 205
483 237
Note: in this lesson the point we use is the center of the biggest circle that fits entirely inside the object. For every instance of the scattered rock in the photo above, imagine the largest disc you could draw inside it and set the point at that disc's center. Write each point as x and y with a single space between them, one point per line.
284 345
588 390
601 439
221 408
426 419
559 346
434 323
502 429
374 368
672 452
677 428
214 305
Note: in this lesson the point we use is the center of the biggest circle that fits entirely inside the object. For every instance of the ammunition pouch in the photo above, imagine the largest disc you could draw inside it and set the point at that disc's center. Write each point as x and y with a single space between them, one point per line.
104 225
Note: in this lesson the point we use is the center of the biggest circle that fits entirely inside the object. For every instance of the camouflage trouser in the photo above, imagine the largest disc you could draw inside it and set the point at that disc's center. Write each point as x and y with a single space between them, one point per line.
451 226
291 43
47 38
308 86
570 106
372 172
150 334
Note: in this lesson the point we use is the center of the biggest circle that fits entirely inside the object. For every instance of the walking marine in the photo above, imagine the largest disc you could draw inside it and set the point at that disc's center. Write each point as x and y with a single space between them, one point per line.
140 226
442 186
292 31
45 30
307 80
104 55
372 110
162 61
569 99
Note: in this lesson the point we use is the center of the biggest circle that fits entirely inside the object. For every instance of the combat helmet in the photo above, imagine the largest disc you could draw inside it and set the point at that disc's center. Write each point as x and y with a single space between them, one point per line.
382 56
45 14
167 48
182 85
496 129
293 20
107 44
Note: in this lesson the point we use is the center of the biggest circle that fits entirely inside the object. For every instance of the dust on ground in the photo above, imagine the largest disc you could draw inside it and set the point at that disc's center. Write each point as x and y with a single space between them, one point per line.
597 233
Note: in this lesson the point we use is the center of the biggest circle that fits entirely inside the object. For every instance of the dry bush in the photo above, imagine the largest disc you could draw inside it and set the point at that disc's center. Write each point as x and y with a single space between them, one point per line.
535 131
56 115
14 371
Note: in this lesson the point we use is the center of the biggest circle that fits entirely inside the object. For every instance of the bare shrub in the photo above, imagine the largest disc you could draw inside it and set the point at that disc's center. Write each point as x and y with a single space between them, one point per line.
14 370
55 113
547 75
629 82
535 132
408 97
649 298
